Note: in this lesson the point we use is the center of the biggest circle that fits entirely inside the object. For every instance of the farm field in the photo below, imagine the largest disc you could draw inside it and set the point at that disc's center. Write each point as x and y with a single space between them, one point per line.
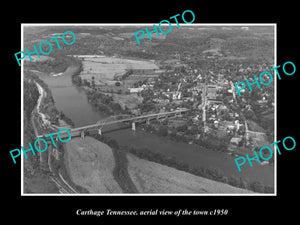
104 69
42 58
130 101
90 164
151 177
254 126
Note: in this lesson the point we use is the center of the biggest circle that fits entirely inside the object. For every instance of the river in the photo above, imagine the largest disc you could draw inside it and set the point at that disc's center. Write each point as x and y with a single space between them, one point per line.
72 101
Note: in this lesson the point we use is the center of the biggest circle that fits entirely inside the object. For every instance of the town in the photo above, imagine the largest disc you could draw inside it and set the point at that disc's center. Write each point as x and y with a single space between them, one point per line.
270 78
217 119
165 112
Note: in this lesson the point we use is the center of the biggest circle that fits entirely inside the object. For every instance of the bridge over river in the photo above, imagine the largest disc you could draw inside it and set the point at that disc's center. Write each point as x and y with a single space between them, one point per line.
46 160
144 118
113 120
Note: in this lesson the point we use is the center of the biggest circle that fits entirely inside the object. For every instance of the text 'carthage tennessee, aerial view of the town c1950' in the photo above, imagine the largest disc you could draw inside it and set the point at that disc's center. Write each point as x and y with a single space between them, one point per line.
162 117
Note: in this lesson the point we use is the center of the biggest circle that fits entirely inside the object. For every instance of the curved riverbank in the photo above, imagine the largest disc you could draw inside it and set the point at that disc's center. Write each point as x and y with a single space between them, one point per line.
151 177
90 164
70 99
192 158
47 165
73 102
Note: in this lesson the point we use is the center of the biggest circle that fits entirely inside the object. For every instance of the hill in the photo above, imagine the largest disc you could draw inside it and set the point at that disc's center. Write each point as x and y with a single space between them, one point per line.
253 42
90 164
151 177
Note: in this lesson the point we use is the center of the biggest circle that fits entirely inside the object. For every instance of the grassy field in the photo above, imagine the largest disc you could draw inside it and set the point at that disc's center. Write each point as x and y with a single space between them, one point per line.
254 126
90 164
150 177
130 101
39 183
104 69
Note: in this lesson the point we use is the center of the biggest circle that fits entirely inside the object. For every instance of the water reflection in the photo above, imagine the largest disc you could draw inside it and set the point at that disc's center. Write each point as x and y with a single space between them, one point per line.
71 99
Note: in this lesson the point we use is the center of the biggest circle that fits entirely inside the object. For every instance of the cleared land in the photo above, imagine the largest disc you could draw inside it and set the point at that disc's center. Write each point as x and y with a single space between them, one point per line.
151 177
90 164
104 69
130 101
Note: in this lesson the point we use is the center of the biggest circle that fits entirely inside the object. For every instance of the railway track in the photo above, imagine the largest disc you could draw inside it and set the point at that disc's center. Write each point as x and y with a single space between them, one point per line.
59 181
63 187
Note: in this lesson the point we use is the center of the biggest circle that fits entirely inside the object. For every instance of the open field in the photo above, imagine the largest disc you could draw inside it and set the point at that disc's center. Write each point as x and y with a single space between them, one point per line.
104 69
130 101
42 58
90 164
254 126
151 177
39 183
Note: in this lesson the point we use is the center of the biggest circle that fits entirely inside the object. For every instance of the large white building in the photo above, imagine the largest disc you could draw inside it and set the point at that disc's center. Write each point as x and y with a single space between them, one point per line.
136 90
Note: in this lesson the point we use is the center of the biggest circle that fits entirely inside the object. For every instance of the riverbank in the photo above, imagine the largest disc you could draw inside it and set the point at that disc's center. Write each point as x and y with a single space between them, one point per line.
90 164
35 176
216 165
120 171
183 156
151 177
191 158
137 175
41 120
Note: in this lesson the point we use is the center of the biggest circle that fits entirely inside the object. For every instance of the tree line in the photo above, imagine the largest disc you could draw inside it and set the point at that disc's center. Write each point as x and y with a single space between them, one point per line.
120 171
209 173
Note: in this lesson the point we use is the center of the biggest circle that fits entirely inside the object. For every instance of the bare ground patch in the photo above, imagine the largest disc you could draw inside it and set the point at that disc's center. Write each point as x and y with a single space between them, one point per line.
91 164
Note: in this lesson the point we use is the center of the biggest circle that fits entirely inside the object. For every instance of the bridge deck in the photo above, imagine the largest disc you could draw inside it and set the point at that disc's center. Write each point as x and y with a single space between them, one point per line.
129 119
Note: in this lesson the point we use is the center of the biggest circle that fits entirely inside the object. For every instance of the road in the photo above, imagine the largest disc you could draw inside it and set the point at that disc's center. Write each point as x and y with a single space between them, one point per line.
60 183
129 119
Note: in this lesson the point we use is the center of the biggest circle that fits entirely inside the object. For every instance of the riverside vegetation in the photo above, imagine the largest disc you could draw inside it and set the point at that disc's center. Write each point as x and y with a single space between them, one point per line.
105 103
240 46
37 178
145 153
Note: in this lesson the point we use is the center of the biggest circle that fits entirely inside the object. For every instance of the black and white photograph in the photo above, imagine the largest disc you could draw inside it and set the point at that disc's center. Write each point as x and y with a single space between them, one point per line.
131 114
162 117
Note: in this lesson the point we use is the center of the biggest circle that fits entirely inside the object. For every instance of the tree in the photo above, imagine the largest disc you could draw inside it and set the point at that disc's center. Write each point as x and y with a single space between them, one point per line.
93 82
86 83
268 189
79 81
162 131
257 186
249 114
182 128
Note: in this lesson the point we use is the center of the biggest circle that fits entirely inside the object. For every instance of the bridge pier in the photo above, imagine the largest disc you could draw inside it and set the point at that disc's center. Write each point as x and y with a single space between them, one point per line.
133 120
82 134
133 126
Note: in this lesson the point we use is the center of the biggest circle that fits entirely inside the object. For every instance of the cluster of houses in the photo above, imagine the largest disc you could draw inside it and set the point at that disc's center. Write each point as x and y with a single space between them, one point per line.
218 116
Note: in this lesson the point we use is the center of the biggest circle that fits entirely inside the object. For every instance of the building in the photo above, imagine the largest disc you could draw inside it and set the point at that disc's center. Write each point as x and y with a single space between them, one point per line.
135 90
235 141
211 92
